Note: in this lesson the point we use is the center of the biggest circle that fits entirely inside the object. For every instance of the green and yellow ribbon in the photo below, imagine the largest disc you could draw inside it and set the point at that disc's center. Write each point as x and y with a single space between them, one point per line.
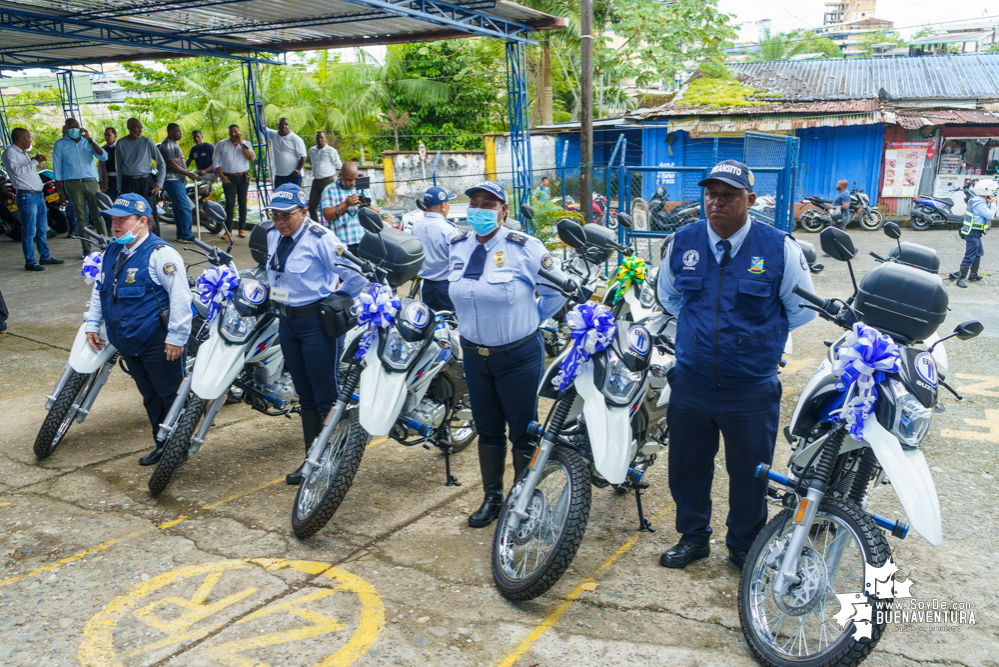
631 271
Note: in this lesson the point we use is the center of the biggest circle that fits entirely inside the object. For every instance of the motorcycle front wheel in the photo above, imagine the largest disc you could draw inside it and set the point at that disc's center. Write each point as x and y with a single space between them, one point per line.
873 220
798 628
178 445
531 559
320 494
62 413
812 221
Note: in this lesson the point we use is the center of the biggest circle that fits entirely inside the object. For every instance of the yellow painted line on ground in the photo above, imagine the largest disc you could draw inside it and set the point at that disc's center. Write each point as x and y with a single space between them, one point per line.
553 618
236 496
377 441
4 504
92 550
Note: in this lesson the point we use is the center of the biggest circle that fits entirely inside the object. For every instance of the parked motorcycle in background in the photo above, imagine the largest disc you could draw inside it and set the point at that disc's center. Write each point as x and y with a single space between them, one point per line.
206 193
633 285
10 215
858 423
870 218
928 212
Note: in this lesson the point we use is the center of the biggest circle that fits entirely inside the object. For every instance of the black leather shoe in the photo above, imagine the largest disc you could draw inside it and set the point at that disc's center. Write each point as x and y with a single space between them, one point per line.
683 554
487 513
153 457
51 261
737 558
295 478
34 267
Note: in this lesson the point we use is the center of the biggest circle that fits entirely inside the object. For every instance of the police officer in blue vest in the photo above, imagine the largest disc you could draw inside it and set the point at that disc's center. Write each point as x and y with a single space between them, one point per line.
436 232
143 299
729 281
304 267
493 278
982 209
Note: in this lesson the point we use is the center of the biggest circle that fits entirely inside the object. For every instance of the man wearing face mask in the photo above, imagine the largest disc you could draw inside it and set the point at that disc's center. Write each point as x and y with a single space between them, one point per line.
493 276
341 201
143 300
76 175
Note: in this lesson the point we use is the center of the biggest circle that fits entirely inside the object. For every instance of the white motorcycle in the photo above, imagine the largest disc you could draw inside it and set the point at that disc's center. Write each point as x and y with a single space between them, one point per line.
241 358
606 427
405 366
857 424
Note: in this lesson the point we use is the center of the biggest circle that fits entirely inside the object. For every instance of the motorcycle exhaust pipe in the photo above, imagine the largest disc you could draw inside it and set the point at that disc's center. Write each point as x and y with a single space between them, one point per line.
898 529
49 400
919 213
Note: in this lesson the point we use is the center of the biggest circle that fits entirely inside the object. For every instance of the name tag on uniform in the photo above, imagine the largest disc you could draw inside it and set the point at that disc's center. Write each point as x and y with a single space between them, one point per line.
280 294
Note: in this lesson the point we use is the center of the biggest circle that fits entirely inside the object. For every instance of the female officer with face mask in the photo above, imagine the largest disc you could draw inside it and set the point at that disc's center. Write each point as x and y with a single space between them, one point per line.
493 278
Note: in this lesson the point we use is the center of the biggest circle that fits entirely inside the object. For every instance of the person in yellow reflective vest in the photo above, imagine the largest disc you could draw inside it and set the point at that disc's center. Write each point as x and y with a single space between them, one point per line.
982 209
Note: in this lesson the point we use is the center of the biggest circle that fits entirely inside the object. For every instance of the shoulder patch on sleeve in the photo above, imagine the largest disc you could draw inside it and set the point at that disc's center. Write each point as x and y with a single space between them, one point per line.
318 230
459 237
804 264
169 268
517 237
547 262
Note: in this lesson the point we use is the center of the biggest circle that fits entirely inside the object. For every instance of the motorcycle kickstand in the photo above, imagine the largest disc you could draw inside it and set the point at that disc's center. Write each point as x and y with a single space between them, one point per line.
450 480
644 525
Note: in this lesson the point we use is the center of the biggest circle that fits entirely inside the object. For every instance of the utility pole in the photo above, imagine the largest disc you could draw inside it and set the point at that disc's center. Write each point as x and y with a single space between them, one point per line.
586 112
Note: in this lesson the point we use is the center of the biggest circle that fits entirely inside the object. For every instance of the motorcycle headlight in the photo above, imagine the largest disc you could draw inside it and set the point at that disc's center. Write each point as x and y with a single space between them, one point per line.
398 353
236 328
646 296
620 383
912 420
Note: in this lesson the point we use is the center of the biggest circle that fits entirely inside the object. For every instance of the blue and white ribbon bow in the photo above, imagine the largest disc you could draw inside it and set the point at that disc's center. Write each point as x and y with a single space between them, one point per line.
592 331
375 307
92 267
216 285
863 359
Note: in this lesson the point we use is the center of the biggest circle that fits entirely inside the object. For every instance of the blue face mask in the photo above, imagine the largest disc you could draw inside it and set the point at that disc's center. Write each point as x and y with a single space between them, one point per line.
483 220
74 133
127 237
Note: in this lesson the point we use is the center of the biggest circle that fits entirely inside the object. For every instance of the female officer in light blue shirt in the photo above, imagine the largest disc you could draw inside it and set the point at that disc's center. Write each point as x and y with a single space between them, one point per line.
493 276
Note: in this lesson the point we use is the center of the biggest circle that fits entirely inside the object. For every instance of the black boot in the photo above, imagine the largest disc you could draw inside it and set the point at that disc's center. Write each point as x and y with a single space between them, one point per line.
961 282
312 425
492 460
153 457
974 277
521 459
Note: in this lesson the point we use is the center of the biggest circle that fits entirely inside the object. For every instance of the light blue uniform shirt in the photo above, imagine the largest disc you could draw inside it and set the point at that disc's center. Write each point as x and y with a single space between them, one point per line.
981 210
500 307
313 268
436 233
795 273
72 160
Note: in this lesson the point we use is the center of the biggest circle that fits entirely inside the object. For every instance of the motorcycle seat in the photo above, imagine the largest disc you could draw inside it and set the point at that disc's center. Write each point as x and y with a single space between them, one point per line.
947 200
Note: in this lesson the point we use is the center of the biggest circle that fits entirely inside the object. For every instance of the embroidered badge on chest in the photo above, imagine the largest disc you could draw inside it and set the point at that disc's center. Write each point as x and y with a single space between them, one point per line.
499 258
756 265
130 275
690 259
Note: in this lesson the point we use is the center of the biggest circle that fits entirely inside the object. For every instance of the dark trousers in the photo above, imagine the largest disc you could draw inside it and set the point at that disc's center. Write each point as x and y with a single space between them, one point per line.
435 294
973 248
82 196
747 418
312 358
157 379
235 188
4 313
315 194
503 389
281 180
142 185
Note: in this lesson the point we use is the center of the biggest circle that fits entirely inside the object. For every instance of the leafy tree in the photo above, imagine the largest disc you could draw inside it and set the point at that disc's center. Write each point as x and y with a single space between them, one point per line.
870 39
38 112
782 46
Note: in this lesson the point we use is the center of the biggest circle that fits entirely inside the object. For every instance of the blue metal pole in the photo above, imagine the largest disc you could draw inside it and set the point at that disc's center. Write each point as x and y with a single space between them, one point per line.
623 190
520 137
254 102
565 156
4 129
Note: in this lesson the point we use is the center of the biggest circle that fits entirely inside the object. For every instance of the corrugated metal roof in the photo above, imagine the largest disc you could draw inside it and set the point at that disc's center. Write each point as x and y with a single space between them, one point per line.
824 108
278 25
775 123
914 121
920 77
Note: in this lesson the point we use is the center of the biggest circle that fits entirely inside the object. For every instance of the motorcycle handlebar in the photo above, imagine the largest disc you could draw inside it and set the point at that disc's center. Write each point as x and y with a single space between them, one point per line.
92 233
553 279
824 304
204 246
878 257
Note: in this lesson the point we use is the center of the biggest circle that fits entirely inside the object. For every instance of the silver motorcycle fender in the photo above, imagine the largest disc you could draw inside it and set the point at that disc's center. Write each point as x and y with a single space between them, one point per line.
217 364
85 359
608 427
381 394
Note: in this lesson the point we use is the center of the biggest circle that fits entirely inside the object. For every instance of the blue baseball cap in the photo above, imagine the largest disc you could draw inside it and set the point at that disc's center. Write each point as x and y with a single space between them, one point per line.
287 197
129 204
733 172
435 196
492 187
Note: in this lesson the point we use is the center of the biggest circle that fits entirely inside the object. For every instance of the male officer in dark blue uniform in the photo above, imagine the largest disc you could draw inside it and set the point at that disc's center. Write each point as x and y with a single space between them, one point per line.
729 281
143 300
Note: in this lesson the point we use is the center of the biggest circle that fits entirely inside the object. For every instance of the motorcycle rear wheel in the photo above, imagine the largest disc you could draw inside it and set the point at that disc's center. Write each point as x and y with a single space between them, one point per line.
178 445
461 431
919 225
812 221
61 415
211 227
872 221
550 536
320 494
763 620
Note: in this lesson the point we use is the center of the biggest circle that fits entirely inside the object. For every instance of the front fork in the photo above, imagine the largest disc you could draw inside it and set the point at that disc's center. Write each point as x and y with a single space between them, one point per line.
522 496
169 424
332 419
102 377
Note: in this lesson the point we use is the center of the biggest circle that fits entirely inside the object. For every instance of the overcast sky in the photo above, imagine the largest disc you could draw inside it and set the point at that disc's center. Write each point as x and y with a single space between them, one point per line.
908 15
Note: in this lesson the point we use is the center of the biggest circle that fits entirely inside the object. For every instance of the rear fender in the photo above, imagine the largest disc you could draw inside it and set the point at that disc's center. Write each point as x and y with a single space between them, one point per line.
381 395
608 427
84 359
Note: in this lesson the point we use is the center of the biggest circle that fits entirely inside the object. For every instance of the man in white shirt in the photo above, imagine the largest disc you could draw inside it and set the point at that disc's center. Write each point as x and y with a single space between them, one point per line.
23 173
289 154
436 233
325 165
231 160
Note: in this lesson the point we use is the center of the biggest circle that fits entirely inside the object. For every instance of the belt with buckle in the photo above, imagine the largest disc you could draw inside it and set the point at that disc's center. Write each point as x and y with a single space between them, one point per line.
486 350
79 180
31 192
227 175
300 311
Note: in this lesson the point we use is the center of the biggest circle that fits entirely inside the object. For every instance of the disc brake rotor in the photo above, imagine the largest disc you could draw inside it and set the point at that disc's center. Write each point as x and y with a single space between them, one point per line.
529 527
803 597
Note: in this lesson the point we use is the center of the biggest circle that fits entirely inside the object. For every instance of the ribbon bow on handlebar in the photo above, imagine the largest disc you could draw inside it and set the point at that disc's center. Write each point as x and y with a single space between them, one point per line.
92 267
592 331
375 307
216 285
863 360
632 270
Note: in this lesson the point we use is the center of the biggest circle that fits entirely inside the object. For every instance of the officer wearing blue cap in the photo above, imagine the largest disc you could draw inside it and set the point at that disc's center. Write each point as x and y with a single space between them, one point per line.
493 279
304 267
144 301
729 281
436 232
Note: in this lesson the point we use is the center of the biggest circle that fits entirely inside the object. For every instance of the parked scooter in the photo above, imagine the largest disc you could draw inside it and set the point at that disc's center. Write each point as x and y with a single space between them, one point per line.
10 215
607 425
682 214
870 218
206 193
405 369
860 419
928 212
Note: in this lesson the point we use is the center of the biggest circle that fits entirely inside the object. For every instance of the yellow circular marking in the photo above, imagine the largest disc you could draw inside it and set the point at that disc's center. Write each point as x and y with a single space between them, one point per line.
97 648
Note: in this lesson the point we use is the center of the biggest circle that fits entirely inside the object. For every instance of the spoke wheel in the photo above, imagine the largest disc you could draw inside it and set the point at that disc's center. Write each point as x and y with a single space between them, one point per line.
798 628
178 446
62 413
529 560
461 431
320 494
